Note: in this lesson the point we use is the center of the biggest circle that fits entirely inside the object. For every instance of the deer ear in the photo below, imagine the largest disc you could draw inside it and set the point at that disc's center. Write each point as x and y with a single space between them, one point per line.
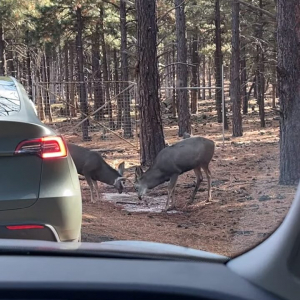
138 173
121 168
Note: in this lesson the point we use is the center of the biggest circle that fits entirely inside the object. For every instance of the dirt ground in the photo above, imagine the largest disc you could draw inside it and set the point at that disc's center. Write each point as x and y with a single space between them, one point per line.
248 203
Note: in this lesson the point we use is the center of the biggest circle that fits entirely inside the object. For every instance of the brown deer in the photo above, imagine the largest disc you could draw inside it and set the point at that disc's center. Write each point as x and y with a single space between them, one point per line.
193 153
93 167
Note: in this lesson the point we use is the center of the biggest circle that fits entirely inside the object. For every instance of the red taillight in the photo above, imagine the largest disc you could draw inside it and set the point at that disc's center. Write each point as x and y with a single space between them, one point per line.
46 147
53 147
21 227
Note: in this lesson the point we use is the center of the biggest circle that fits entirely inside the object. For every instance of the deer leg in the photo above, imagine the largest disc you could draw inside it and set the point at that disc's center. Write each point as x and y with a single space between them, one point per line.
96 188
171 189
90 183
208 175
199 177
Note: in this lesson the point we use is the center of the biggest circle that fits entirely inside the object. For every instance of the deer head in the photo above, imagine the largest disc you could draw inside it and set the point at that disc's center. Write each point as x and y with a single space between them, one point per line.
139 185
119 181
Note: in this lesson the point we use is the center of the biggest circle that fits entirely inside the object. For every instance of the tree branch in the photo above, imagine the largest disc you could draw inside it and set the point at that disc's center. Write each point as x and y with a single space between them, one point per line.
168 11
163 53
253 7
164 37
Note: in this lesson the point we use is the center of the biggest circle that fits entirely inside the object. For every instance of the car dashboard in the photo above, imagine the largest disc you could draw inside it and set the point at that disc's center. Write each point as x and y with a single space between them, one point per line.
56 277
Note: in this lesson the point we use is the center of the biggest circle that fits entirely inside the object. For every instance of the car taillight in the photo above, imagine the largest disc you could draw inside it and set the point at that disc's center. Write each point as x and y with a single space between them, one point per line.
22 227
46 147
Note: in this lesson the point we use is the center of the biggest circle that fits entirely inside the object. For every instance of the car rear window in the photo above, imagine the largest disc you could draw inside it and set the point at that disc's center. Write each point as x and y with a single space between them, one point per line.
9 98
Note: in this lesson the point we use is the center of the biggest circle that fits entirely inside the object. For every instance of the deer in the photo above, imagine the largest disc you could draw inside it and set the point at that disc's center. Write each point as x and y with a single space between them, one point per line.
191 153
93 167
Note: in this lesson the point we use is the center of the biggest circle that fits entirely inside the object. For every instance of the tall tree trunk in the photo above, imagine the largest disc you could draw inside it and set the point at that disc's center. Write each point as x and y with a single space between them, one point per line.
255 95
124 72
168 74
2 46
260 78
10 62
203 77
105 68
218 59
51 72
195 60
38 90
209 77
117 90
151 133
39 101
174 102
73 111
97 84
218 64
235 83
288 38
273 95
244 77
46 77
67 90
82 86
261 90
18 65
23 72
184 118
199 69
29 74
48 109
274 73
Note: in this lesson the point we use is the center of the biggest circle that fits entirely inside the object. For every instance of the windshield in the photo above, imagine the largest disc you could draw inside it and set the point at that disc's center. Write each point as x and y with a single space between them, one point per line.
162 121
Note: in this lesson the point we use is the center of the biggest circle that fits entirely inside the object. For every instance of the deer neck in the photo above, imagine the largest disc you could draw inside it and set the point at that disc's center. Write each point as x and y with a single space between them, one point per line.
153 178
107 175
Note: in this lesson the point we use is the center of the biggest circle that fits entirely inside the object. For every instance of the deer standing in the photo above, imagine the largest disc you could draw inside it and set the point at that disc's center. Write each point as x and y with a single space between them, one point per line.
93 167
193 153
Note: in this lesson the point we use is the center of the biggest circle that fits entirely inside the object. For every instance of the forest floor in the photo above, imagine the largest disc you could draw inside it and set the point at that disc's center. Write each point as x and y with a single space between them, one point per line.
248 203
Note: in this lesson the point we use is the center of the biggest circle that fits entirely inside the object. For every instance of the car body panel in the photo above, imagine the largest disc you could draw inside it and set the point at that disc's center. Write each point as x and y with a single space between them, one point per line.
56 277
14 132
23 190
25 171
63 213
